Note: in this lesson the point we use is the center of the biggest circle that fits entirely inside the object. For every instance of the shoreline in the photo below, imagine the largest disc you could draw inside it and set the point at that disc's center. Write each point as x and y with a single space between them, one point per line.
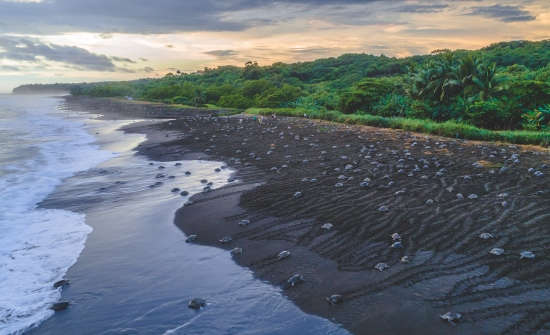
341 261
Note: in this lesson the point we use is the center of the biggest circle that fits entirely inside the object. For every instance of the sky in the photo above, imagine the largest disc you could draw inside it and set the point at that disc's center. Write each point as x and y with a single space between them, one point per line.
48 41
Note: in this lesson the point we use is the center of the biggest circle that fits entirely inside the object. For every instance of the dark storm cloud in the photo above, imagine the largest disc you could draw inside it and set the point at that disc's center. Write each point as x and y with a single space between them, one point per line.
161 16
503 13
222 53
34 51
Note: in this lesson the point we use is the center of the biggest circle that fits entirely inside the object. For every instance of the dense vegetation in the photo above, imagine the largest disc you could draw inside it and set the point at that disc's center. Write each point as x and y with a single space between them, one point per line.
505 86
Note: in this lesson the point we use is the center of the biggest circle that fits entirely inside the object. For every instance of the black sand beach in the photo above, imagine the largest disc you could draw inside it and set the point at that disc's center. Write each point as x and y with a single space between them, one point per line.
440 195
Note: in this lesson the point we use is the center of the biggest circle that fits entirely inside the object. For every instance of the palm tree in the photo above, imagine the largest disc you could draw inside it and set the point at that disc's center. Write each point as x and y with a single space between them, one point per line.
486 80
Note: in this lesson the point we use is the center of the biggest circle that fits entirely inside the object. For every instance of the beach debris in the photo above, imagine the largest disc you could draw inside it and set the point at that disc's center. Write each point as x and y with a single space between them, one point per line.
335 299
160 175
237 251
486 236
59 306
191 238
496 251
526 255
396 237
184 193
196 303
225 239
244 222
175 190
294 280
283 254
473 196
217 170
161 167
538 174
327 226
397 245
204 181
338 185
451 317
381 266
297 195
459 196
429 202
405 259
502 195
61 283
177 164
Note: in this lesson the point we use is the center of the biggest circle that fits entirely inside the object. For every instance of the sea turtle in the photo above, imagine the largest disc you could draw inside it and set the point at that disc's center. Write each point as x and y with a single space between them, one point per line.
243 223
486 236
187 173
381 266
225 239
383 209
191 238
526 255
395 237
61 283
283 254
236 251
451 317
175 190
294 280
204 181
496 251
59 306
335 299
184 193
196 303
327 226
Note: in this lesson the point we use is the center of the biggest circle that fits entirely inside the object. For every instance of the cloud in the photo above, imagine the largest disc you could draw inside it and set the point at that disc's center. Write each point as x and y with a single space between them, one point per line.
503 13
222 53
122 59
9 68
421 8
35 51
168 16
148 69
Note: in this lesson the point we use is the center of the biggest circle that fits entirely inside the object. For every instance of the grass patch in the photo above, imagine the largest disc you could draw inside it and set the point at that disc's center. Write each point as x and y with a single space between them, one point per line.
451 129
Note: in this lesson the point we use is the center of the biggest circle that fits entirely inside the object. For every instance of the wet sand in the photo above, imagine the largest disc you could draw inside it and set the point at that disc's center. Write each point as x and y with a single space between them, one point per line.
413 187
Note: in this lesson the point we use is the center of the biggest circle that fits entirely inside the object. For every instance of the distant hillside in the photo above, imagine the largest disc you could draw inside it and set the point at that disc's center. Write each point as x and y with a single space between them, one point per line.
503 86
44 89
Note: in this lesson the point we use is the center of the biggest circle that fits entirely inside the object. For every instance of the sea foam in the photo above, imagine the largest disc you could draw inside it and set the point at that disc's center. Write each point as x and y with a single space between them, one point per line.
37 245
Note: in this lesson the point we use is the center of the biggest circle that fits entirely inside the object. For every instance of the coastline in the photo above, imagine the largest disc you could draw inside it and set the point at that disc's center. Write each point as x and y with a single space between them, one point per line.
448 261
136 274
